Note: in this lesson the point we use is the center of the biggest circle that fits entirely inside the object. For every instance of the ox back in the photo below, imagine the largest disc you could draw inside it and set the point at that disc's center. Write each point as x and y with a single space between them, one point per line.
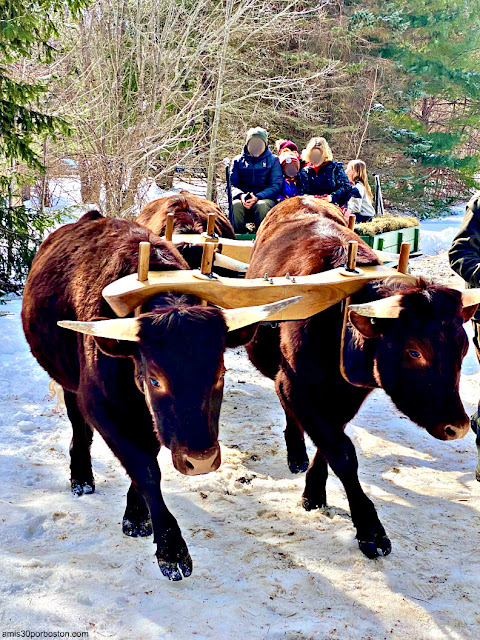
415 357
191 215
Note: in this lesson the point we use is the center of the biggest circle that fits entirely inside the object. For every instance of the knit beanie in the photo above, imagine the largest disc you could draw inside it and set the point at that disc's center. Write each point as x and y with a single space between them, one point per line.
287 156
257 132
288 144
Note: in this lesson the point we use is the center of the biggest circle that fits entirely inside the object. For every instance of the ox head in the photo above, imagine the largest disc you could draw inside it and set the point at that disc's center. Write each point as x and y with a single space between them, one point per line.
417 340
177 351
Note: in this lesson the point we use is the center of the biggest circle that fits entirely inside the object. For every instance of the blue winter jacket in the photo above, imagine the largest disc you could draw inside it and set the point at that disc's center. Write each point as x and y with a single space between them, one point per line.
262 176
329 179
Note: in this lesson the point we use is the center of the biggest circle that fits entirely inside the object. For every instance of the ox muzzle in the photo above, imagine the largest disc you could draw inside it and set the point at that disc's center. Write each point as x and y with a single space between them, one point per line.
195 463
454 431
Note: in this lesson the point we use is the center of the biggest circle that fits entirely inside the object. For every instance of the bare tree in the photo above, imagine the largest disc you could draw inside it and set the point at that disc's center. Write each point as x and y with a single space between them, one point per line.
154 84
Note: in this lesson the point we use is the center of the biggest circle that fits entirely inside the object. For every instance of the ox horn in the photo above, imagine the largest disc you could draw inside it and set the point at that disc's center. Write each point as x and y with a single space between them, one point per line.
242 317
226 262
384 308
121 329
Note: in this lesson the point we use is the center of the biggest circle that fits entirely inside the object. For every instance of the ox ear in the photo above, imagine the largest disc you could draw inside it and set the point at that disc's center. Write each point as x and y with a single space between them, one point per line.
367 327
364 316
469 312
470 301
116 348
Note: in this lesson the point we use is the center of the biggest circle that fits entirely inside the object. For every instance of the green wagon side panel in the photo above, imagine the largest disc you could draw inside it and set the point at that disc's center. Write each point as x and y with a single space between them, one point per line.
392 240
245 236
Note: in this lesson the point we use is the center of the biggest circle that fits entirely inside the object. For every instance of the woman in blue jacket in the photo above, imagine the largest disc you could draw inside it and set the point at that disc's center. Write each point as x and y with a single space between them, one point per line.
257 179
321 176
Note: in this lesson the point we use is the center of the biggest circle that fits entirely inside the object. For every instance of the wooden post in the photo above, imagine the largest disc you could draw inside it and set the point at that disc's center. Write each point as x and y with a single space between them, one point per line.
143 261
351 221
211 224
143 264
404 256
352 255
169 227
207 257
351 264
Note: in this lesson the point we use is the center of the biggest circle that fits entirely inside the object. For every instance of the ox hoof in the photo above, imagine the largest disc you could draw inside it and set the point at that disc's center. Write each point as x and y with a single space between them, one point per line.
378 544
80 488
173 558
477 475
309 504
137 528
298 465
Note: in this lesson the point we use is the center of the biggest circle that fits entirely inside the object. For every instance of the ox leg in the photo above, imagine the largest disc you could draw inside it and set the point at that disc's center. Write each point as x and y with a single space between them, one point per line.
339 452
136 520
315 494
172 553
81 475
297 457
326 429
140 462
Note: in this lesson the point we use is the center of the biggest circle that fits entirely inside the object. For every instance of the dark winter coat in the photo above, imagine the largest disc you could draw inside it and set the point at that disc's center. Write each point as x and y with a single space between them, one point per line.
464 254
262 176
329 179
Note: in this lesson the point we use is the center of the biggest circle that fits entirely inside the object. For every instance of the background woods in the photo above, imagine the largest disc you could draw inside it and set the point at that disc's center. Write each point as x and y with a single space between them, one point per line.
118 94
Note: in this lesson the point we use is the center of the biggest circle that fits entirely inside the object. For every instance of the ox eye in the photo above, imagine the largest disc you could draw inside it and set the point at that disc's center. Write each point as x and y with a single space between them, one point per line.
154 383
414 354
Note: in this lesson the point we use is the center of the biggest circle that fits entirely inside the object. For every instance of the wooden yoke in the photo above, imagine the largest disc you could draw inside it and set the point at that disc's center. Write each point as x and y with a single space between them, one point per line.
237 249
351 221
319 291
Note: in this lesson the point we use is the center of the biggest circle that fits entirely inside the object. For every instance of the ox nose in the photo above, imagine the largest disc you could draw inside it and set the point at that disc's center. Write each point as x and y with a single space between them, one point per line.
455 431
194 463
452 431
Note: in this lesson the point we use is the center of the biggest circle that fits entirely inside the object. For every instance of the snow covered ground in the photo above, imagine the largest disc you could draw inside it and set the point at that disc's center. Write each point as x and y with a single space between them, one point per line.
437 234
264 569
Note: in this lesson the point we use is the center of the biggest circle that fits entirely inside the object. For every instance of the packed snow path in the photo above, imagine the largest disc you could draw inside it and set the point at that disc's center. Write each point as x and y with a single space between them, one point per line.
263 567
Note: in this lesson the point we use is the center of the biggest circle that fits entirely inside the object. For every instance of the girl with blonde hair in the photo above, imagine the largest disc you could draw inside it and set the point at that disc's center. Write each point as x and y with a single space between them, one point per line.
360 201
322 177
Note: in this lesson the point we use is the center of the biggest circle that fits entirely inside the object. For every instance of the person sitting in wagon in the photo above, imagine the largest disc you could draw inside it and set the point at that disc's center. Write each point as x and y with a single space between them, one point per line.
322 177
360 198
289 159
257 180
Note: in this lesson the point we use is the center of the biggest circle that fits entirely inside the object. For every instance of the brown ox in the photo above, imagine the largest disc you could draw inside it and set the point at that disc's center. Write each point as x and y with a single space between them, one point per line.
191 215
405 338
142 382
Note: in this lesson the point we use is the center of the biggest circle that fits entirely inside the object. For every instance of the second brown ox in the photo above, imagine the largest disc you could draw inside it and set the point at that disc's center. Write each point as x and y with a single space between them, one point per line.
405 338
